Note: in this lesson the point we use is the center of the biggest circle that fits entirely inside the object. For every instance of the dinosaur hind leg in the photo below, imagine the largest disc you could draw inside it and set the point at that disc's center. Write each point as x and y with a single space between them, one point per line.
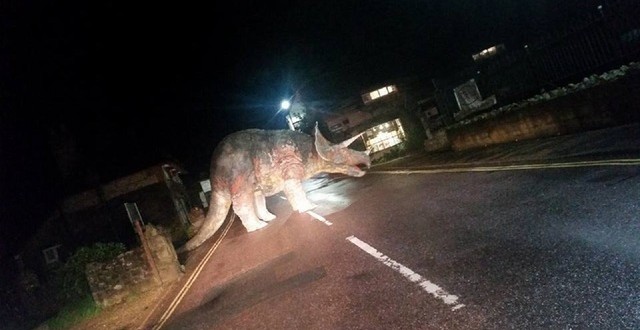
244 207
261 207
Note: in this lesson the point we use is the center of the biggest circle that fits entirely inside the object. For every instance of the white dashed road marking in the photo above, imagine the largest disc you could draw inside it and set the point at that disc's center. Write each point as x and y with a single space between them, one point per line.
315 215
409 274
319 218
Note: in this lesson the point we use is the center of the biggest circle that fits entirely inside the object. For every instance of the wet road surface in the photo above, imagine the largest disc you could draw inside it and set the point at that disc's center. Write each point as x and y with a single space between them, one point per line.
542 247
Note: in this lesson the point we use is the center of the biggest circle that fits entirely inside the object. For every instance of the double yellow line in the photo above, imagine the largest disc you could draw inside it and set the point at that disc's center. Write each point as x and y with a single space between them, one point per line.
610 162
172 307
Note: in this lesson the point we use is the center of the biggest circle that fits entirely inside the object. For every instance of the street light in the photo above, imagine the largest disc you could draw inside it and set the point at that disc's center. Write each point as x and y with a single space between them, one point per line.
285 105
293 106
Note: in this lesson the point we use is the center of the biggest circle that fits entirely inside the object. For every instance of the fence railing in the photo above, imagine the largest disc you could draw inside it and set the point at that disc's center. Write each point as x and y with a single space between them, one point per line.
607 38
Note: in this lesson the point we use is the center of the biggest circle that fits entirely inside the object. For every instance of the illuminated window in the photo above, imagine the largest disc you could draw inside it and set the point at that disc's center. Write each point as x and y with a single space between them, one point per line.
384 136
489 52
368 97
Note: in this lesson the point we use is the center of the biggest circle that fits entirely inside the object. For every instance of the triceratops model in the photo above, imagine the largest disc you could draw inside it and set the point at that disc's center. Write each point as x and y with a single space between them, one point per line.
248 165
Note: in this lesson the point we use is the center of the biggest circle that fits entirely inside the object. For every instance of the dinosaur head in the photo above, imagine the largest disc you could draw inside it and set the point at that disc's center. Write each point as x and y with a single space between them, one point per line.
340 154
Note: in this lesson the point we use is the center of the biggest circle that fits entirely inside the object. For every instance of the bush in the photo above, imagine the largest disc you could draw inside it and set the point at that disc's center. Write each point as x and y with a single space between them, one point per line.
395 152
71 281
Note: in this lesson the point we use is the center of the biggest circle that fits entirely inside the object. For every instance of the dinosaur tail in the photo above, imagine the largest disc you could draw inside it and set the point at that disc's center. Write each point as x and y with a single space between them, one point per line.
218 209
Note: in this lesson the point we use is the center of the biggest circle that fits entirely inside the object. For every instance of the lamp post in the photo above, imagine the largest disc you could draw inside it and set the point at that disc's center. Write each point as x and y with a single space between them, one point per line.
285 105
293 106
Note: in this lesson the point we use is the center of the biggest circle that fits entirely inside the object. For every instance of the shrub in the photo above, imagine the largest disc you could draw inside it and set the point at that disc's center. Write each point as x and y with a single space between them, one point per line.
393 153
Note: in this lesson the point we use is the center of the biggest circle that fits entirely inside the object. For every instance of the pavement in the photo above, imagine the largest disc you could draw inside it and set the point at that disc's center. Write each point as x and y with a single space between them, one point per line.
620 142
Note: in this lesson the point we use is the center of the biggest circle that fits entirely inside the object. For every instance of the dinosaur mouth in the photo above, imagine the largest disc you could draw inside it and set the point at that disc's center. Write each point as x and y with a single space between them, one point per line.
357 165
357 171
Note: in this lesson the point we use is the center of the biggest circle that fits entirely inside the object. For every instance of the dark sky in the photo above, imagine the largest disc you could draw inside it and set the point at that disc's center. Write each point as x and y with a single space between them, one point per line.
134 83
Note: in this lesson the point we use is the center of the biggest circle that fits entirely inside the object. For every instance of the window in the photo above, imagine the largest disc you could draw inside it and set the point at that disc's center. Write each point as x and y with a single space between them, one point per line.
489 52
336 128
384 136
294 121
51 254
378 93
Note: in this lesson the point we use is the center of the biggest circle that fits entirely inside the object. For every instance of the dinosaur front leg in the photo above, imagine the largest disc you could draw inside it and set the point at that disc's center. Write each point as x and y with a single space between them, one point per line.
261 206
297 197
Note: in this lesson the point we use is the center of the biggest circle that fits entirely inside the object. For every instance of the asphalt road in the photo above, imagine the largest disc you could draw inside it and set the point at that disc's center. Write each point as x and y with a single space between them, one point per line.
555 245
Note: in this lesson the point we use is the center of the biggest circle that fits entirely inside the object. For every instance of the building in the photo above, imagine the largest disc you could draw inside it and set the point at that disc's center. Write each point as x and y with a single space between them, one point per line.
387 114
99 215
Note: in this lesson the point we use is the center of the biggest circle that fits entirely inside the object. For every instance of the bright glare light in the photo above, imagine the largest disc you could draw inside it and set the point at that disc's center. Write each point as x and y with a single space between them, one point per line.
285 104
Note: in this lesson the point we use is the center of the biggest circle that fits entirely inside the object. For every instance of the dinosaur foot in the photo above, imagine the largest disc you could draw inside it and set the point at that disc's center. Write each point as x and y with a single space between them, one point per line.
268 216
307 207
255 226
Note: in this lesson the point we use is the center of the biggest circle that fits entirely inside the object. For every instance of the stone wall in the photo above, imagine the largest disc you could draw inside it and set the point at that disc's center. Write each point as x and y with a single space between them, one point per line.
164 254
112 282
129 274
609 104
438 141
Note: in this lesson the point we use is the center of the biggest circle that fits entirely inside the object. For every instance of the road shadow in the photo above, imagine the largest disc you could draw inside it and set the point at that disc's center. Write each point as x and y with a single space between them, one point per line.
253 287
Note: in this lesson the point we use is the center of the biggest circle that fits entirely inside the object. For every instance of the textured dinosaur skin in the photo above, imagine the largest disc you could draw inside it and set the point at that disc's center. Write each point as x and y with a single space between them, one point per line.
249 165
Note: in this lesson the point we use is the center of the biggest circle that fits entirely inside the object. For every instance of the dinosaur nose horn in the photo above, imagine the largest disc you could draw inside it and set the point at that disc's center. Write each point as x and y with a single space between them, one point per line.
349 141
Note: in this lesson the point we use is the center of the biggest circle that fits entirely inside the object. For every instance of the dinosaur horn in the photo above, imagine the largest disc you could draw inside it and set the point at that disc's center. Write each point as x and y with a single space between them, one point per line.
323 147
349 141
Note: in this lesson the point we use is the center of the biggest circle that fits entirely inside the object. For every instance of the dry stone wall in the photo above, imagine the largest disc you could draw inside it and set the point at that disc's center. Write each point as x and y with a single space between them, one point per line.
597 102
129 273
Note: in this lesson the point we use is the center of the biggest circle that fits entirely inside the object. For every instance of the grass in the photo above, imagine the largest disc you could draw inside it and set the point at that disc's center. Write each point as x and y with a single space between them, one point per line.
74 313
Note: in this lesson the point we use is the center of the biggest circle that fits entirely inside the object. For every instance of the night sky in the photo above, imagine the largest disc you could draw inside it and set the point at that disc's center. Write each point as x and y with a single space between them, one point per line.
133 83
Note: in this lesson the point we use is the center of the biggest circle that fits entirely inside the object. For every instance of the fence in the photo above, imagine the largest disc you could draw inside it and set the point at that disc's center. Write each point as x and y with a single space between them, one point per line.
606 38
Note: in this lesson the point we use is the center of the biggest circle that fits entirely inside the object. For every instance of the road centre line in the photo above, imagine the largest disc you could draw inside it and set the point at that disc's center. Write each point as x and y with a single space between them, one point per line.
183 291
613 162
409 274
